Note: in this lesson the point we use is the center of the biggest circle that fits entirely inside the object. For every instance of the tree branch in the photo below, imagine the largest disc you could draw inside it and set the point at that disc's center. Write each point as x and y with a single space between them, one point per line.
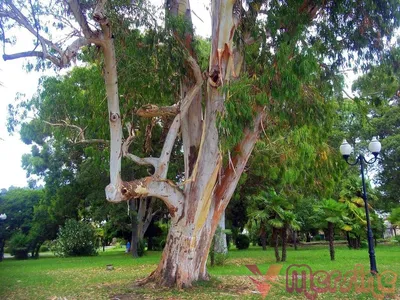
81 133
151 110
195 89
125 150
231 174
151 187
79 17
162 169
40 54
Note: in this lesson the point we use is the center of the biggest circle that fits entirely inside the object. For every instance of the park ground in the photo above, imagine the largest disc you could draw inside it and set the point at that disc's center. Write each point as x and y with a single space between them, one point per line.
54 278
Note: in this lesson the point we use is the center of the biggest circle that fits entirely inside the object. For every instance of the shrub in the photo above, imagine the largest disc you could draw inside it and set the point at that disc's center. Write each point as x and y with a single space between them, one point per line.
19 245
220 259
44 248
76 239
242 241
141 248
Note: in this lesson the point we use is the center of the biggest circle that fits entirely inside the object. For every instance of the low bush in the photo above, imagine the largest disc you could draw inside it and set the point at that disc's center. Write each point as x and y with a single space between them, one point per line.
76 239
242 242
141 248
19 245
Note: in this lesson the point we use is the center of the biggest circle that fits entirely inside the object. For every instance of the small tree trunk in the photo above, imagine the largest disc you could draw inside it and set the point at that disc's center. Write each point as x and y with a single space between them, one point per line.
295 239
348 239
330 238
1 249
284 242
276 244
263 236
220 245
134 226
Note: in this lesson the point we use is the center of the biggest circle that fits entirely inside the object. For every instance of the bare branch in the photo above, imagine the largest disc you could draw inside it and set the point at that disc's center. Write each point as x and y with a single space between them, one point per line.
161 171
100 17
125 150
150 111
40 54
231 174
80 139
79 17
195 89
92 141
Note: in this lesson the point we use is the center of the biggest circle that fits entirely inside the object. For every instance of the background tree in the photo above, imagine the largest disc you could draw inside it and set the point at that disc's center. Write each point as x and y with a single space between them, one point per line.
18 204
329 214
379 93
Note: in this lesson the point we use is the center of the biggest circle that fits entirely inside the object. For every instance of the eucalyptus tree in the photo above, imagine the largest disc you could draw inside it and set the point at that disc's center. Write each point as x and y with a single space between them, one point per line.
378 92
282 49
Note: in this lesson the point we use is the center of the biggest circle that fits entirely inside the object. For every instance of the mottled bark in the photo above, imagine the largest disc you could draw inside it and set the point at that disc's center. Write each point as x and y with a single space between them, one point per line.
220 245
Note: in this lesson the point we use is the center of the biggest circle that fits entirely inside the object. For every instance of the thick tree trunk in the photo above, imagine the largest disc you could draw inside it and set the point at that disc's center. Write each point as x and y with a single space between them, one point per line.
330 238
284 242
275 242
185 255
220 245
263 236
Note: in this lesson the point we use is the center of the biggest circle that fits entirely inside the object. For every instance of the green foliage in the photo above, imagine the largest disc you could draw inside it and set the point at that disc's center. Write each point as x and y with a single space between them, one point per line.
76 239
242 242
19 245
394 216
141 248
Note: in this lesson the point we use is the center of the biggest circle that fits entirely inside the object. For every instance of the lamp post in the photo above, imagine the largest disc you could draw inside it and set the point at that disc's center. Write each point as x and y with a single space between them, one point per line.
375 147
3 217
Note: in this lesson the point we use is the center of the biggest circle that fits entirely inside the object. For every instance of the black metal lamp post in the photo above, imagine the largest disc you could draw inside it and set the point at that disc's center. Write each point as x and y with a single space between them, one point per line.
3 217
375 147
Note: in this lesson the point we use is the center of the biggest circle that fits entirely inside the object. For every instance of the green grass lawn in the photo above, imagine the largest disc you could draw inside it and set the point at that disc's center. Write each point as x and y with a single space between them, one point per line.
87 277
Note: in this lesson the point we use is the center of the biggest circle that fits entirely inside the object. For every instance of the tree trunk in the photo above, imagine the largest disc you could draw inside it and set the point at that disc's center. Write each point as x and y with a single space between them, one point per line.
263 236
2 242
330 238
275 242
220 245
134 227
210 181
295 239
284 242
348 239
145 215
308 237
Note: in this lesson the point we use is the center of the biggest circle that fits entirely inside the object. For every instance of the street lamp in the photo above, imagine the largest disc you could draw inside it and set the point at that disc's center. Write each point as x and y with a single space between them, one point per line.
375 147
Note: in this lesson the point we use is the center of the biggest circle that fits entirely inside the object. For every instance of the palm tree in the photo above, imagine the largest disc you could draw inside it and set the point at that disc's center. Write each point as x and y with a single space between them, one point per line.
289 222
274 210
329 213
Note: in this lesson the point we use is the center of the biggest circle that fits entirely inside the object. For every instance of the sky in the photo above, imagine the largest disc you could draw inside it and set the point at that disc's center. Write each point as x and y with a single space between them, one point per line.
15 80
